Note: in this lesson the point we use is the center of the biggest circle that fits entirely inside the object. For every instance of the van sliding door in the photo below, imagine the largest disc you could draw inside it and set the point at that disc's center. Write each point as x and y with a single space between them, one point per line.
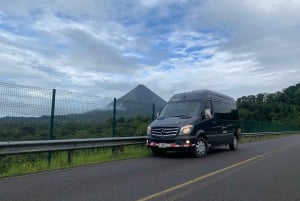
213 127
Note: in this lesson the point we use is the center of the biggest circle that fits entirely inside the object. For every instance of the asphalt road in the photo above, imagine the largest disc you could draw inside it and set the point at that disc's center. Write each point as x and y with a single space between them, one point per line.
265 170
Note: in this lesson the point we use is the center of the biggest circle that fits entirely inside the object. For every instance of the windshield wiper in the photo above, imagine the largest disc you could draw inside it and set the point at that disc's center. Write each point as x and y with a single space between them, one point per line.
182 116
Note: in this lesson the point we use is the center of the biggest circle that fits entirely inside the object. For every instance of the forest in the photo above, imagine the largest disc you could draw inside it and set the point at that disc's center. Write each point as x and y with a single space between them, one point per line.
280 107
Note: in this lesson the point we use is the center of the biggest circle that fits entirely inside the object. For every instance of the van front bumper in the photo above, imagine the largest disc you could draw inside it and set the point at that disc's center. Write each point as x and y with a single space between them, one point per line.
180 142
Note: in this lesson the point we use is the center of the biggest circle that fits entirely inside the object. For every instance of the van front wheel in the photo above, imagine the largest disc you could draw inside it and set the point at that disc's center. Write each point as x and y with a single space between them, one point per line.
201 148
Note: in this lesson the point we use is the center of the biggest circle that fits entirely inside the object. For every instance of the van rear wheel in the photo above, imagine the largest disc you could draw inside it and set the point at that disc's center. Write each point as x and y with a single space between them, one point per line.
234 145
201 148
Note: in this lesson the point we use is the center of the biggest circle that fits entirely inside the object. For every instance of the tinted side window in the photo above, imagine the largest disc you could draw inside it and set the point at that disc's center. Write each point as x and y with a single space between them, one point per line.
225 110
209 105
234 114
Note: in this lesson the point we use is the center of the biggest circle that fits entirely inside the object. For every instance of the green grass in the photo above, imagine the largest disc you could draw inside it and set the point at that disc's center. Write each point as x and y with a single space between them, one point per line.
32 163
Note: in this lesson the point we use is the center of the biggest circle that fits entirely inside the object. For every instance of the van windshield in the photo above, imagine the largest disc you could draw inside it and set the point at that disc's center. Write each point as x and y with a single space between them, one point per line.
181 109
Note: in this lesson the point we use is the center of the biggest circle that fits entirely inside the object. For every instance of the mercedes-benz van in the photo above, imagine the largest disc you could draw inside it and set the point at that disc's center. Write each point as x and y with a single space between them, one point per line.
195 121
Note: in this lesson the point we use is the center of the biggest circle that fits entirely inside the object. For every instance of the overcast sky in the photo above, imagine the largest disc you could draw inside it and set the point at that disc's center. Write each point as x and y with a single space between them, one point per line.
106 48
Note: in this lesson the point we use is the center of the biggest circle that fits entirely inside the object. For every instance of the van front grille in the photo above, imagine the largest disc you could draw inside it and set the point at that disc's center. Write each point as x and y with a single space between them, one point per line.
164 132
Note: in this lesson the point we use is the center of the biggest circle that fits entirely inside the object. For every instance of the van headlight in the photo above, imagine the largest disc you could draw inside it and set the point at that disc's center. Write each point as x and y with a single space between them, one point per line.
186 130
149 130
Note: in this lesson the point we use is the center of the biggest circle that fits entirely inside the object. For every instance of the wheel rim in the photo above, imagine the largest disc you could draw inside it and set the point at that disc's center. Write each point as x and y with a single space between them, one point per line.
235 142
200 147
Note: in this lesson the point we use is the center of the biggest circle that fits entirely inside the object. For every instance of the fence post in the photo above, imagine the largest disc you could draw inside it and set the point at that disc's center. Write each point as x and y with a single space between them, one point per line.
114 149
153 111
51 137
114 119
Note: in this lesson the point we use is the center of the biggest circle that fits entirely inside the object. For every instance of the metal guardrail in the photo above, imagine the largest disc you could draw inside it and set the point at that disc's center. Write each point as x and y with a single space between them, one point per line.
268 133
19 147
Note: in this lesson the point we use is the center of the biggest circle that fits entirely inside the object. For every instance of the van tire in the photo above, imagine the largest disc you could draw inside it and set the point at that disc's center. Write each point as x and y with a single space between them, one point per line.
201 148
235 143
158 152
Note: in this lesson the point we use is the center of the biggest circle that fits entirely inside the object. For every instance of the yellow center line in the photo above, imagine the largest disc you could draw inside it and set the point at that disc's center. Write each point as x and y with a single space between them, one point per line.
212 174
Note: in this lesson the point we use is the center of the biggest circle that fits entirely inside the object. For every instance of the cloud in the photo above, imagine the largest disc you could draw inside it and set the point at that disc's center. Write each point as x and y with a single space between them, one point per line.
267 29
108 47
225 72
64 50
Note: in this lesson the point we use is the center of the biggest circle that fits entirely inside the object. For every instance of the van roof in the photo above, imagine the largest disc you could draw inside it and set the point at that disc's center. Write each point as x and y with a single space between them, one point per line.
199 94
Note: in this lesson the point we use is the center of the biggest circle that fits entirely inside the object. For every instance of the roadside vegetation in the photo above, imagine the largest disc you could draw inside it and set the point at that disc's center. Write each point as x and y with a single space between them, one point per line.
33 163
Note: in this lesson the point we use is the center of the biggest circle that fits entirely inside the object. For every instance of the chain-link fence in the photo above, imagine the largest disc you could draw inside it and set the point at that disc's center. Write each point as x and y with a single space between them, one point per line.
249 126
25 114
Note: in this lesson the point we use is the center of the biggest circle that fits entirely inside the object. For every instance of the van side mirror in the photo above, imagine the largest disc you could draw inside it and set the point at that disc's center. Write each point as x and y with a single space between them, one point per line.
208 114
157 115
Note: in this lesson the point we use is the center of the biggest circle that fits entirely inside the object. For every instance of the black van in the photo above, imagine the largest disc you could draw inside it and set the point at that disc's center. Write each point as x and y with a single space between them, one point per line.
195 121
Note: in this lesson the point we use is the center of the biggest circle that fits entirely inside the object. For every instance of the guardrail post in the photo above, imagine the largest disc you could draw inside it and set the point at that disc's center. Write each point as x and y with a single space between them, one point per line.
51 137
70 157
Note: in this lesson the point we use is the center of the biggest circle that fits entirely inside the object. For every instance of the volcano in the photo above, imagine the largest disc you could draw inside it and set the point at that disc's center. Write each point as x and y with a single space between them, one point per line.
142 94
139 102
